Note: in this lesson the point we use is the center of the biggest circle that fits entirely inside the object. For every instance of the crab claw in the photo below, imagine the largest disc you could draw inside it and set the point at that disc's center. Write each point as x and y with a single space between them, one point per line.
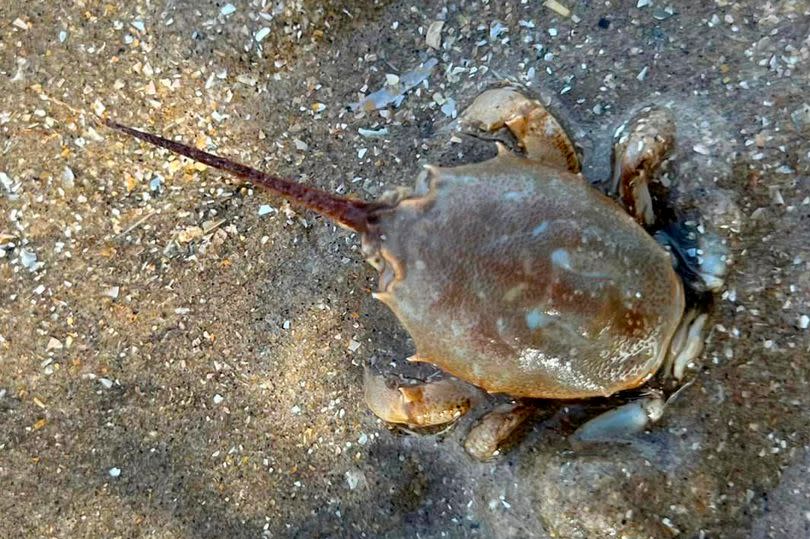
422 405
537 131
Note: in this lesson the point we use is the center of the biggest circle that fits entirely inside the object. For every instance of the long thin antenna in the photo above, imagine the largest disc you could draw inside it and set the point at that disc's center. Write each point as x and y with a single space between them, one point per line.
349 212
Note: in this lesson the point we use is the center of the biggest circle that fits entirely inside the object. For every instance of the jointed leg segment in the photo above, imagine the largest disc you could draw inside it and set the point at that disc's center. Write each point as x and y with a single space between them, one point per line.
494 428
641 147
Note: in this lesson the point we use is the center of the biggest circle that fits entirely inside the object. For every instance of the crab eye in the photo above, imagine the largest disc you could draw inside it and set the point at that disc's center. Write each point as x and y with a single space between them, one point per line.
376 262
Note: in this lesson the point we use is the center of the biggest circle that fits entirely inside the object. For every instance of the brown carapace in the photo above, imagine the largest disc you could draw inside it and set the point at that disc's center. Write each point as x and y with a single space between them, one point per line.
514 274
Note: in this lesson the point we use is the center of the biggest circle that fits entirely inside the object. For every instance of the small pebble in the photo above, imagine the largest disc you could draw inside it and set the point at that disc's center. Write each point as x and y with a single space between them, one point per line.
701 149
68 177
6 182
28 258
227 9
190 234
449 108
261 34
801 117
496 29
662 14
156 183
387 95
434 34
218 399
804 321
372 133
776 196
353 478
114 472
557 7
247 80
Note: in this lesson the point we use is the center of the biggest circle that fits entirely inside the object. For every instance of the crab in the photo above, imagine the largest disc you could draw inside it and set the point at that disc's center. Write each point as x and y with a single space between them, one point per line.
516 276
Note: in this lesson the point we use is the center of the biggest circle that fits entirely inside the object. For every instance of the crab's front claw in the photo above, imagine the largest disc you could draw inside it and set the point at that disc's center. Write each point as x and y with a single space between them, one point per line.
537 131
422 405
619 424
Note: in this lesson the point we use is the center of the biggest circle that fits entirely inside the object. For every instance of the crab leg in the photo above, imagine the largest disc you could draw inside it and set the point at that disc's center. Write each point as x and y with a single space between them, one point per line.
620 423
637 155
687 344
494 428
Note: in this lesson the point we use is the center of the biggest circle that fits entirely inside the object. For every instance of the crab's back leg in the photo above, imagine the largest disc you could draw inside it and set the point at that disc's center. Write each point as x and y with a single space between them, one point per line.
619 424
421 405
538 132
686 344
642 144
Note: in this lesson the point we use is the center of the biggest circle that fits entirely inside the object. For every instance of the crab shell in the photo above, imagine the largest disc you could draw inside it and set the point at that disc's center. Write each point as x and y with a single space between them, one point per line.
525 280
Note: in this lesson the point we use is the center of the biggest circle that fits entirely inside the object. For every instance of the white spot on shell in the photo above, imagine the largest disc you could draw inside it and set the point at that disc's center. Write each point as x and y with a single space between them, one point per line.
513 293
537 319
562 371
514 196
560 258
539 229
550 127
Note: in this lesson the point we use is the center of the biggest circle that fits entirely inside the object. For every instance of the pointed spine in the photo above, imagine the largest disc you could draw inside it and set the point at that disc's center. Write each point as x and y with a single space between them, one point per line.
351 213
